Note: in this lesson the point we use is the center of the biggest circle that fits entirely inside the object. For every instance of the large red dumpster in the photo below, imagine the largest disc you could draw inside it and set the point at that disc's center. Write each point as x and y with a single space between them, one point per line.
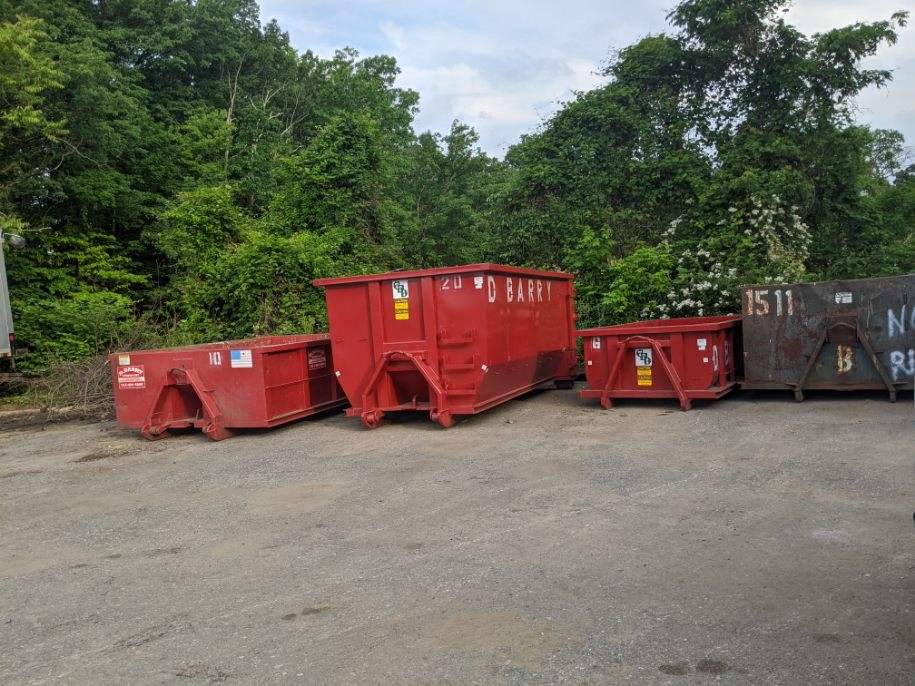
256 383
453 341
687 358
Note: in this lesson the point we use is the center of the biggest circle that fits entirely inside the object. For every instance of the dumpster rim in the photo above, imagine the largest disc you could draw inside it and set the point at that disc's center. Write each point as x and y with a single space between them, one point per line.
783 284
676 325
258 343
441 271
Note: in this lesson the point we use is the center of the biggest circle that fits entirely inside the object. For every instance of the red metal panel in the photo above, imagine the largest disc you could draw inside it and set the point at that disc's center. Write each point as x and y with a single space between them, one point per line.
217 387
450 341
686 358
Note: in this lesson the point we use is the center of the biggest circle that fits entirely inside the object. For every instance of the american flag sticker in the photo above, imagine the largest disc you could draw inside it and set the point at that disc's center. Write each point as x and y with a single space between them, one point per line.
241 359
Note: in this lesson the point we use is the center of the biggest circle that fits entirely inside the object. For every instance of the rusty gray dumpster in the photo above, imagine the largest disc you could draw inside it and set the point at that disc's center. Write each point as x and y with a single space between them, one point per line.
841 335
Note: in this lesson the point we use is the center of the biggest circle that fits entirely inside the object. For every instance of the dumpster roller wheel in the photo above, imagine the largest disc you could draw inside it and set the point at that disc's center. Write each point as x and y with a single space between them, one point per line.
444 418
372 420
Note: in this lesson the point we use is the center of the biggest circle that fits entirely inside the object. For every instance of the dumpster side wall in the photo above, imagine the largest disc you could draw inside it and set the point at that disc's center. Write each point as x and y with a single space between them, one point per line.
829 326
483 334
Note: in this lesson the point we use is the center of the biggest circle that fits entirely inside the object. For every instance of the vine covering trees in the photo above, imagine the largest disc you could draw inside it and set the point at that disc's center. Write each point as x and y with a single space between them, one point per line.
178 166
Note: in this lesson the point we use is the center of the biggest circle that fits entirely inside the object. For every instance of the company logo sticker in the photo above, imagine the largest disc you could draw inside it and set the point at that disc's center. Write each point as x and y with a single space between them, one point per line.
132 376
317 359
401 292
644 357
400 289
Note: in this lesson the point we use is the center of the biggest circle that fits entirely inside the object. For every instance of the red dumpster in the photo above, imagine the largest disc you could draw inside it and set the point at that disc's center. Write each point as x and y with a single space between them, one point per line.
256 383
453 341
687 358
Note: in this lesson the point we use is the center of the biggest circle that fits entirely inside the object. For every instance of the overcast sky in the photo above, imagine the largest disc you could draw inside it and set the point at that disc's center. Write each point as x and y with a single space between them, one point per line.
504 65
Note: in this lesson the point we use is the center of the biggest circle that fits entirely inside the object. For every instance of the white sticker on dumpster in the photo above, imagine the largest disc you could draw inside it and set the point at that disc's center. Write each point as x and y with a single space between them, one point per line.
400 289
132 376
643 357
701 343
241 359
843 298
595 343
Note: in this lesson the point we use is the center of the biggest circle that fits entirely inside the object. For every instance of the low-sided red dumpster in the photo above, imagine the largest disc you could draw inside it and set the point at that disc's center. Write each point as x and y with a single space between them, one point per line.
687 358
451 341
255 383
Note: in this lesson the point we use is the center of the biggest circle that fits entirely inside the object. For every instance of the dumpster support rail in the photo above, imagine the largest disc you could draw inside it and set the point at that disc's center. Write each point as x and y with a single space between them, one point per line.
852 331
372 417
209 418
658 348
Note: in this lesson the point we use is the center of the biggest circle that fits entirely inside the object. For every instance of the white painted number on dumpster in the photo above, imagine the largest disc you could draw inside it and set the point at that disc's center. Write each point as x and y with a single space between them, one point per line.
215 359
643 357
758 302
452 283
845 359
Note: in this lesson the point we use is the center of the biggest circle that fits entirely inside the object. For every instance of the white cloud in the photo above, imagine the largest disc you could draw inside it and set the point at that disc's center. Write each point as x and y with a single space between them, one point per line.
503 67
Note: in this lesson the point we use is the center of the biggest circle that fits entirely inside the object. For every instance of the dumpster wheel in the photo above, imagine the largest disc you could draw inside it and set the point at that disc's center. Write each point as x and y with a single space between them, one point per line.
372 420
444 418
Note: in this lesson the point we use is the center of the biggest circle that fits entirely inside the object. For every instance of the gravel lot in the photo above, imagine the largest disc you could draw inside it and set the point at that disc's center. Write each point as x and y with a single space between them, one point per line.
749 540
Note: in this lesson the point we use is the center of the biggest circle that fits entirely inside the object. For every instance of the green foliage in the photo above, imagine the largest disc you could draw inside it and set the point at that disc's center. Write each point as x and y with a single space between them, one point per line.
262 285
197 226
83 323
727 146
638 280
180 170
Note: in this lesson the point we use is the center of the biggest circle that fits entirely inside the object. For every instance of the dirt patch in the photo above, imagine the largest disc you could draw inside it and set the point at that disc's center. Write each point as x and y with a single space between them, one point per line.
13 420
156 552
20 472
92 457
675 669
210 673
522 641
292 498
103 454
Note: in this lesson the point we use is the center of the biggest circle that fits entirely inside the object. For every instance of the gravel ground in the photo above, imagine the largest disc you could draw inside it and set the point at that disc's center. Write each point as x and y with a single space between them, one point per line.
749 540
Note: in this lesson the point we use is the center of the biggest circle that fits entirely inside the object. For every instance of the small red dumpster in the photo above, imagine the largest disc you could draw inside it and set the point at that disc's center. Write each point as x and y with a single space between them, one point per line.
255 383
686 358
453 341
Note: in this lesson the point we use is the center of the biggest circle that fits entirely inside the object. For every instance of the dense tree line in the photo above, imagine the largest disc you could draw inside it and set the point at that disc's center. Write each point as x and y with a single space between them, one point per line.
180 170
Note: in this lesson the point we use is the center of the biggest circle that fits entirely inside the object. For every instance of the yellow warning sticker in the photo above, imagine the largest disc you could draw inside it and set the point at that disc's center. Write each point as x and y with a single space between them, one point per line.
401 309
643 376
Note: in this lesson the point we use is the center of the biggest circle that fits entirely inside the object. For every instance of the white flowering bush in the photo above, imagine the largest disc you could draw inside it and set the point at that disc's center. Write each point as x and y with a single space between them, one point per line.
765 240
